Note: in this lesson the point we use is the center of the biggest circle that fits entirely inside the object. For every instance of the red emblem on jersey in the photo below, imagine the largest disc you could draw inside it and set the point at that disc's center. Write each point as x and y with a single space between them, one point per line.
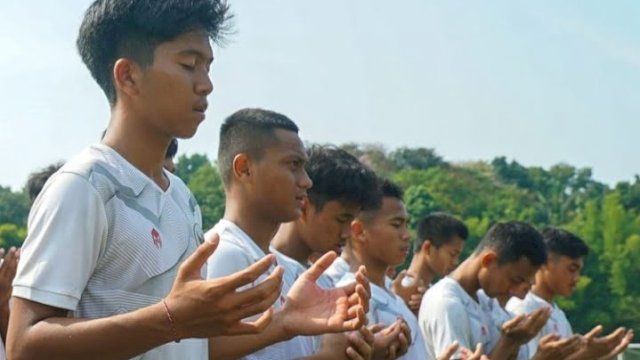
155 236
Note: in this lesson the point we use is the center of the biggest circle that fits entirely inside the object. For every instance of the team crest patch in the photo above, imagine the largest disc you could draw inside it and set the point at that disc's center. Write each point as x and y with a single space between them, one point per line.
155 236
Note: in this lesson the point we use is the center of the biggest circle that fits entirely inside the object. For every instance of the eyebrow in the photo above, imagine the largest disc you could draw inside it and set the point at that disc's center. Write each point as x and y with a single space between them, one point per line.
197 53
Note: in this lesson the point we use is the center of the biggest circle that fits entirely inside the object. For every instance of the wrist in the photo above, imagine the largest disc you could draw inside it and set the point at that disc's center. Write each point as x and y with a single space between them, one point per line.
282 329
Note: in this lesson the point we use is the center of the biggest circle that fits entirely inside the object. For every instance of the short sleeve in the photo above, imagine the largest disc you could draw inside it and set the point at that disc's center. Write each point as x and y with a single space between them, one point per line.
226 260
67 233
448 321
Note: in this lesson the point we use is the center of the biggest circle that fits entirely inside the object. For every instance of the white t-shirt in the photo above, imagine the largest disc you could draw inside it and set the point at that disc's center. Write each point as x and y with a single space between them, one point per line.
292 271
557 323
104 239
448 314
337 270
499 316
236 252
385 307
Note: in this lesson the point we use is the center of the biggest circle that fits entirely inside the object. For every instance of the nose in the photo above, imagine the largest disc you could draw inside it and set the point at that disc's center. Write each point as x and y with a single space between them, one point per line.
305 181
405 234
203 85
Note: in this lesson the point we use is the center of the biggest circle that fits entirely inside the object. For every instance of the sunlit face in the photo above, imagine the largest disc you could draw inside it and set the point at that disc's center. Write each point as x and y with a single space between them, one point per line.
387 233
328 228
503 279
561 274
173 90
442 260
279 181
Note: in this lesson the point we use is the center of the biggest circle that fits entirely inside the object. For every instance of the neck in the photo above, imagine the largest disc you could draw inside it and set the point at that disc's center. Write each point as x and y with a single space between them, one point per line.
259 228
376 270
288 241
467 276
543 291
503 300
420 269
144 148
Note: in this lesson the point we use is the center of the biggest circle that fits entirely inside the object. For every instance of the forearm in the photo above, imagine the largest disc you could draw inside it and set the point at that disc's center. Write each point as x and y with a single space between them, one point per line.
116 337
4 321
505 349
232 347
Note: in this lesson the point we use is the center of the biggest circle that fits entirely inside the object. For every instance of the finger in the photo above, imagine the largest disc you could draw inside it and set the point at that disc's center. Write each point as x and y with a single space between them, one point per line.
359 344
448 353
318 267
242 308
616 335
510 324
362 279
252 273
569 345
594 332
269 288
253 327
550 338
404 344
393 350
621 346
405 329
358 321
363 297
353 354
367 335
376 328
194 263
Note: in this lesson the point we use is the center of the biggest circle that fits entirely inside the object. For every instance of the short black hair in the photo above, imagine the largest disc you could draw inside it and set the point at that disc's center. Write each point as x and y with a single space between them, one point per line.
513 240
386 188
562 242
172 149
338 175
37 179
248 131
439 228
113 29
390 189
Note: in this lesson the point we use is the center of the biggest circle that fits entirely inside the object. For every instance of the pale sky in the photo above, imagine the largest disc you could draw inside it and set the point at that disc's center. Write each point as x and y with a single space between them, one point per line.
541 82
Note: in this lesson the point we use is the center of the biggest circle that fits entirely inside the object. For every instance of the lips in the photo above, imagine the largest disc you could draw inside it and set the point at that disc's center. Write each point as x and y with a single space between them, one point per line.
201 107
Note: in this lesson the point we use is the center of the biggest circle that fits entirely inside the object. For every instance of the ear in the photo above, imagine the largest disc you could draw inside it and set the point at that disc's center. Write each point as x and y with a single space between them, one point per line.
357 230
488 258
241 168
126 77
307 209
426 247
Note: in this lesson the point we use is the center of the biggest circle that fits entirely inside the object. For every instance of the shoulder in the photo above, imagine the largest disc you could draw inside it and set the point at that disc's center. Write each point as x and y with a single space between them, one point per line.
228 258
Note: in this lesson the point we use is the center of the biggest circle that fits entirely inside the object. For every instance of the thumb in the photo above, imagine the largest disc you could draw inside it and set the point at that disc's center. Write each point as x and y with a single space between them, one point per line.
507 326
192 266
318 267
398 280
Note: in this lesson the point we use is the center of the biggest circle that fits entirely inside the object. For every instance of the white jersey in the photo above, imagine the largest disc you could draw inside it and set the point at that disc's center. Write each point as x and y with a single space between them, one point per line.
448 314
386 307
237 251
557 323
499 316
104 239
337 270
292 271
